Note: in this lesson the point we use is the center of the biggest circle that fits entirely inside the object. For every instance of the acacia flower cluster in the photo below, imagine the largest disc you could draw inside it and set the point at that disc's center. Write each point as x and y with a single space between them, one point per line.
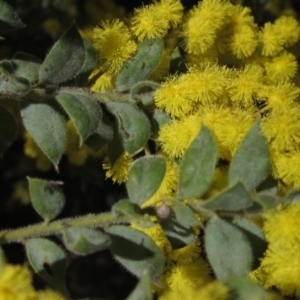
236 71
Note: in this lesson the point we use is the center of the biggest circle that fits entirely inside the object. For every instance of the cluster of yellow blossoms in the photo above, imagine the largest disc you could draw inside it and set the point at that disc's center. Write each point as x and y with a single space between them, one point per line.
236 72
16 284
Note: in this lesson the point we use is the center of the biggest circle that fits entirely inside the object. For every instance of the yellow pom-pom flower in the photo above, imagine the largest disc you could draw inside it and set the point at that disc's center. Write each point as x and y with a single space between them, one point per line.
16 283
177 136
49 294
282 129
245 84
282 67
147 22
286 167
114 44
119 171
282 224
153 21
200 29
284 32
282 267
104 83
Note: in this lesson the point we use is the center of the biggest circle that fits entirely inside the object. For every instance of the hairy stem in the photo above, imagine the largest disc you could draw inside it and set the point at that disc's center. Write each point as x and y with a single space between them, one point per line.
102 220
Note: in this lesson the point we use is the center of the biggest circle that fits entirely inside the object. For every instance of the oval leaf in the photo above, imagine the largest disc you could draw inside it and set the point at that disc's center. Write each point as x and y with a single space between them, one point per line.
27 66
9 19
65 58
11 85
49 261
184 215
198 165
8 129
89 64
235 198
178 234
250 164
47 197
85 240
148 56
228 249
145 177
102 135
132 130
84 111
136 251
47 126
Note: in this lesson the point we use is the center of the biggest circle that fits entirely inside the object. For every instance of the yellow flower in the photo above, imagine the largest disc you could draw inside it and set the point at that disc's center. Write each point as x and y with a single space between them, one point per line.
282 128
278 98
243 41
114 44
153 21
119 171
202 24
104 83
49 294
286 167
186 276
282 224
148 22
172 96
157 235
177 136
245 84
16 283
186 254
172 10
284 32
282 266
282 67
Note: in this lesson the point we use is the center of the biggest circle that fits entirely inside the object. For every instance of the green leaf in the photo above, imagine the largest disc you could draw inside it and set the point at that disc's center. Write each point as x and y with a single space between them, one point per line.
184 214
146 60
234 198
243 288
64 60
143 88
268 187
47 126
267 201
143 289
9 19
134 212
47 197
3 260
11 85
85 241
48 260
145 177
83 110
8 131
103 134
89 64
250 164
178 234
256 238
198 165
26 66
227 248
136 251
132 130
158 119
